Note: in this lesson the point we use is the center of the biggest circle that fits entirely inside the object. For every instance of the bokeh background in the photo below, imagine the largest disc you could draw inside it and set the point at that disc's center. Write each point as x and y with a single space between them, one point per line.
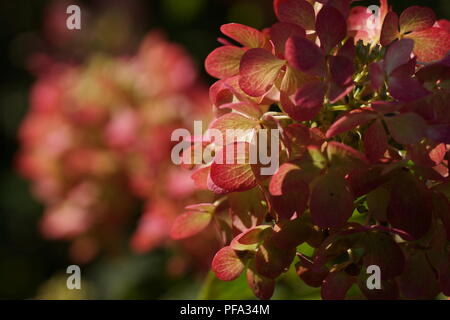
34 267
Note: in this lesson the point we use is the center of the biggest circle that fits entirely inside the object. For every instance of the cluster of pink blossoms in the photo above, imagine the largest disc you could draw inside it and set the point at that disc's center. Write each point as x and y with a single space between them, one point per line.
95 145
362 104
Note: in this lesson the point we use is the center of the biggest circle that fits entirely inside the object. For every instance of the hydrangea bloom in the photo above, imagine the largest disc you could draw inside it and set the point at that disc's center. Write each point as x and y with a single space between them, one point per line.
97 138
365 131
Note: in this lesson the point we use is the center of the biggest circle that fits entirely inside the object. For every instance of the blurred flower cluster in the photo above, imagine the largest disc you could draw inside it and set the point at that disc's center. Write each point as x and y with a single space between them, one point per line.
96 144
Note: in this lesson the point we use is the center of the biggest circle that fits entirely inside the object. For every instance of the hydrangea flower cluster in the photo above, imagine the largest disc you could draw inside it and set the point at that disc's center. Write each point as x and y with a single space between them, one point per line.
362 104
95 143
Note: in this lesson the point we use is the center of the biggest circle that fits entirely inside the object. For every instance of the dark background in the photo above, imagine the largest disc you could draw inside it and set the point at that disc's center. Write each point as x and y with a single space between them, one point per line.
29 265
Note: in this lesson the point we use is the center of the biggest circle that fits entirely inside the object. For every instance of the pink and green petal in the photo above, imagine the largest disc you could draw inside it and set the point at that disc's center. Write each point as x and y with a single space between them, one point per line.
189 224
247 36
430 45
224 62
416 18
237 175
227 264
258 71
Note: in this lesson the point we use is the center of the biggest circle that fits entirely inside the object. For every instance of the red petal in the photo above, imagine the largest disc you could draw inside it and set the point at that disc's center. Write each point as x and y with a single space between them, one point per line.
289 192
427 153
247 36
235 176
406 89
336 285
189 224
416 18
406 128
377 76
304 55
439 133
281 32
342 70
375 141
224 61
441 207
261 286
308 102
331 27
271 261
227 265
246 209
291 233
213 187
389 31
418 281
299 12
249 240
340 154
398 54
200 177
294 79
258 70
430 45
377 202
349 121
389 289
331 202
247 109
337 92
409 207
313 275
443 24
234 127
381 250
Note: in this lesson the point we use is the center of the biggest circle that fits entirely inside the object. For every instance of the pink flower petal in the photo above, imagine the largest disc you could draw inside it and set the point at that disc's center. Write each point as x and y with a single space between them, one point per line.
375 141
224 61
289 192
406 89
399 53
406 128
298 12
377 76
236 175
331 202
261 286
416 18
430 45
281 32
308 102
342 70
189 224
389 31
247 36
350 120
258 70
409 207
303 54
227 264
331 27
